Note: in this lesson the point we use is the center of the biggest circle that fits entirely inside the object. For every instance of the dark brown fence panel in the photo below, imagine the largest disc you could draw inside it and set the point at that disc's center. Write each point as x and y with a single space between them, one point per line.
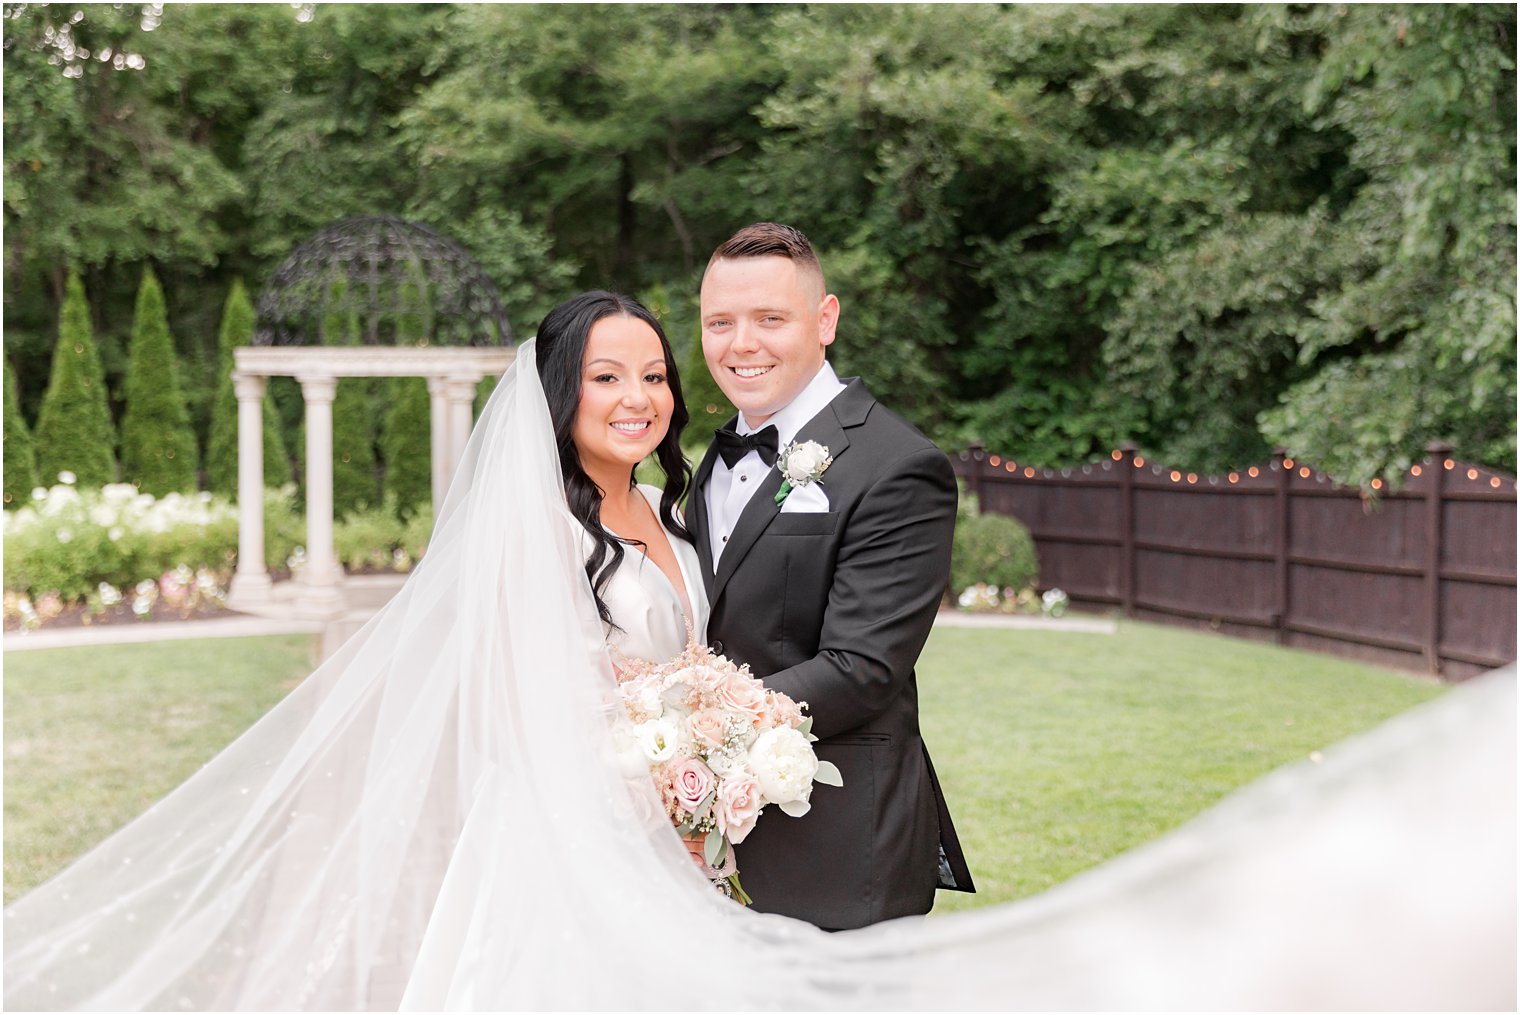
1422 579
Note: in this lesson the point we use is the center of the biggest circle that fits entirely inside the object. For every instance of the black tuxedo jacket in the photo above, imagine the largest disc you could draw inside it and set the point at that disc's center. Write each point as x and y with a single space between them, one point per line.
833 609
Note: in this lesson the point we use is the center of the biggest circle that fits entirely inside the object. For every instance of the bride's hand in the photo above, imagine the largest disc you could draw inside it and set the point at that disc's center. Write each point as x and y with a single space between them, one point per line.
695 846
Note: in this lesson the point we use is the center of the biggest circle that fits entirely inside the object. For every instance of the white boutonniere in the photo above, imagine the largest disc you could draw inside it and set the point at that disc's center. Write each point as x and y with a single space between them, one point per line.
801 465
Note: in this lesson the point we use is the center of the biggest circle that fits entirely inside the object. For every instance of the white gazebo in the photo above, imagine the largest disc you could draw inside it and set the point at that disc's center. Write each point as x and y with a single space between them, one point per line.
452 375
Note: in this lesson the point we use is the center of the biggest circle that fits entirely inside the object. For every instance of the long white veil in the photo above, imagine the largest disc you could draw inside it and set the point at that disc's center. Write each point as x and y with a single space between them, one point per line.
435 819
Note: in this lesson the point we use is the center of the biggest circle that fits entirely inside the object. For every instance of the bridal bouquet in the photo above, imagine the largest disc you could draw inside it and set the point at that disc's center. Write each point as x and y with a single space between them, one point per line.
720 746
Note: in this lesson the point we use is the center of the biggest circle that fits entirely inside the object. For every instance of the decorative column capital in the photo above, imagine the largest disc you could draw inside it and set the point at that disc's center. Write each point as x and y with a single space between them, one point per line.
318 388
248 387
460 389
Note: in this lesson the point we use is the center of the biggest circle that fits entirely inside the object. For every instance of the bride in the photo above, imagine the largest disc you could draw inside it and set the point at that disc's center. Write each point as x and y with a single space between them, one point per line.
435 818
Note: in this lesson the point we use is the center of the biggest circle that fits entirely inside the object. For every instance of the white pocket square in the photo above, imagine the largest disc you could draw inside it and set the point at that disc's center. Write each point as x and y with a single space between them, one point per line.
808 499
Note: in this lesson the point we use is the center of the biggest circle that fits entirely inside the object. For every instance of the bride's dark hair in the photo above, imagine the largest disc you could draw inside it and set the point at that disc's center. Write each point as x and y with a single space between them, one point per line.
561 350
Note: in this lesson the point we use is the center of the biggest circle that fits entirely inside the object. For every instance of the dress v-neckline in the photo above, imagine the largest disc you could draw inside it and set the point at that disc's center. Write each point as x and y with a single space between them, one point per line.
682 594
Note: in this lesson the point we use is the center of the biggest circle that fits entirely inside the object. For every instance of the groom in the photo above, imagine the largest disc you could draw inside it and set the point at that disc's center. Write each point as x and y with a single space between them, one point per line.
826 586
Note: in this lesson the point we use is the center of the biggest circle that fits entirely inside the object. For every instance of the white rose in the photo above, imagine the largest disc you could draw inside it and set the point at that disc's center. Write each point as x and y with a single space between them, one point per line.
658 738
784 765
805 460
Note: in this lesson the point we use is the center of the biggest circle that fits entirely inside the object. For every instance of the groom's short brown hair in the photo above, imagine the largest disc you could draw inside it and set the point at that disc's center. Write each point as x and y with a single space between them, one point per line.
772 239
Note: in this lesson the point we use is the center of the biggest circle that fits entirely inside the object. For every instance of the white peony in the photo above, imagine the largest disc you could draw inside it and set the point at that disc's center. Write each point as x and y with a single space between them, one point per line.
784 765
805 461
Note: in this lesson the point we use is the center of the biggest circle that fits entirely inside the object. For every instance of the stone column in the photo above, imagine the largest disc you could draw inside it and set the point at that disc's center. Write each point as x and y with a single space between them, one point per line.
250 584
438 420
320 594
461 398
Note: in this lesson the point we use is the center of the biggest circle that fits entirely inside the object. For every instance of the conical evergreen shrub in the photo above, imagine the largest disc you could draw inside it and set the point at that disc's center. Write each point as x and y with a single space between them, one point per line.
222 447
158 452
74 432
406 445
406 437
20 452
355 480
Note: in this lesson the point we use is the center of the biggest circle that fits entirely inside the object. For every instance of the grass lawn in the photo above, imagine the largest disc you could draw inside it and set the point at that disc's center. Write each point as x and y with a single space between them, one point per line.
1056 750
95 735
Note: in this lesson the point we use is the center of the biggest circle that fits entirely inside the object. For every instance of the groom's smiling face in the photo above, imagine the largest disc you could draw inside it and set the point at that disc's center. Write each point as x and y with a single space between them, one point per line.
765 325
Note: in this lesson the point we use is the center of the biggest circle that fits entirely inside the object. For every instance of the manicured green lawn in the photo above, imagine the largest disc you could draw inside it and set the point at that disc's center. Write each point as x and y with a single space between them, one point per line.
1057 751
95 735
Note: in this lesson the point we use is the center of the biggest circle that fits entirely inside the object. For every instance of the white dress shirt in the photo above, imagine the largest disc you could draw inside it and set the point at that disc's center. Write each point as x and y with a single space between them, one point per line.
729 489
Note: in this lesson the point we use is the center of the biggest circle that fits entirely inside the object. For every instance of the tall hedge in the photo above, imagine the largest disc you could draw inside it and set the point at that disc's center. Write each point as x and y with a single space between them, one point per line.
20 452
406 435
222 447
356 483
158 452
406 445
74 431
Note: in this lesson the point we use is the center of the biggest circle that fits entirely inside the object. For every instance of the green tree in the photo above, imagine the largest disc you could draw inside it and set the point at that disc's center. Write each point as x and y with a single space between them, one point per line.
406 445
406 434
158 452
1412 336
355 481
74 432
235 332
20 452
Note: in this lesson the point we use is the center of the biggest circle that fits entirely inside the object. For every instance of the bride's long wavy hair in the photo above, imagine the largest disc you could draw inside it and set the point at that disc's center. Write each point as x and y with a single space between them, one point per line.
561 351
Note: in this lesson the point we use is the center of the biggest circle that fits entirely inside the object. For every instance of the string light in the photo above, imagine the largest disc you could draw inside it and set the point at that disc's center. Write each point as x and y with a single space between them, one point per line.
1139 461
1304 472
1287 463
1011 466
1192 477
1414 470
1472 473
1176 475
1234 477
1494 482
1116 454
1449 464
1028 472
1377 484
1253 472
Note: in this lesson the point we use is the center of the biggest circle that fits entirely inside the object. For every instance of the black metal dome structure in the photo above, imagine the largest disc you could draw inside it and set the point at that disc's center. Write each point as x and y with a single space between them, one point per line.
380 280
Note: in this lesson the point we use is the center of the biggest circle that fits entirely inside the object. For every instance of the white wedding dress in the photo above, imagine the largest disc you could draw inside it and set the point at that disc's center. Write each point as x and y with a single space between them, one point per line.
435 820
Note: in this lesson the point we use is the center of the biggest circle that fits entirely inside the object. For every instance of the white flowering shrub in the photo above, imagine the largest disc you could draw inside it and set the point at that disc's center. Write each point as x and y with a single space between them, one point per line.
68 542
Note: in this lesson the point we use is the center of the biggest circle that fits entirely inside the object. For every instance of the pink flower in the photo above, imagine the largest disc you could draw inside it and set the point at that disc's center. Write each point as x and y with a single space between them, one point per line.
707 727
781 710
737 806
692 781
743 694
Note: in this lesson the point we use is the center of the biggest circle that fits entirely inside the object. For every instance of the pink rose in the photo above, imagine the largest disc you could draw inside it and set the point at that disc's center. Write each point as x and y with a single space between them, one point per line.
707 727
743 694
692 781
737 806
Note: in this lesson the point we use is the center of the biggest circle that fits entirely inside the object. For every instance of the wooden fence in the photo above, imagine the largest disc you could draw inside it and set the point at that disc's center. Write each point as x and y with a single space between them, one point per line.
1422 578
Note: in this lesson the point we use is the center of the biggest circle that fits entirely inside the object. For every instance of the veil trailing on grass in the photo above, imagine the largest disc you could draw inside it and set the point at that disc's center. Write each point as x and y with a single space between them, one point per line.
435 819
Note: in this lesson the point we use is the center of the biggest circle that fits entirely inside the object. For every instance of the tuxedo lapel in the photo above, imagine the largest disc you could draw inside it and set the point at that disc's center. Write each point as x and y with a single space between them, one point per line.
696 517
849 408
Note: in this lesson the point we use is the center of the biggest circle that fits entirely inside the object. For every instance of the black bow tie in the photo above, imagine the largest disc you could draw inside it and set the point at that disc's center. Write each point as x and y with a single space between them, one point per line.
734 446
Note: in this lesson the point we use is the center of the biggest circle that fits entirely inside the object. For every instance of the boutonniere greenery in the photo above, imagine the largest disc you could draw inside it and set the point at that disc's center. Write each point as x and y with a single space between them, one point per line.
800 465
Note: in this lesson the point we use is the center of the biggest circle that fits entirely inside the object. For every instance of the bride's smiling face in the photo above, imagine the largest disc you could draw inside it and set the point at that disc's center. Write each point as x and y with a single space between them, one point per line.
626 402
